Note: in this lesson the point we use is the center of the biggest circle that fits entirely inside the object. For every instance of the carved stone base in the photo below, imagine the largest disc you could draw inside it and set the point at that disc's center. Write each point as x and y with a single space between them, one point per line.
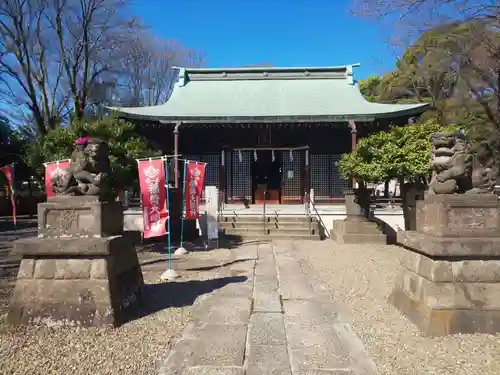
63 216
98 288
80 270
448 297
450 246
449 280
357 232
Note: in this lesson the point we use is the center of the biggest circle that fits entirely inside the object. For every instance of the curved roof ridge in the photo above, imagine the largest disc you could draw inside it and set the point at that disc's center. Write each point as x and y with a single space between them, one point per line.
268 68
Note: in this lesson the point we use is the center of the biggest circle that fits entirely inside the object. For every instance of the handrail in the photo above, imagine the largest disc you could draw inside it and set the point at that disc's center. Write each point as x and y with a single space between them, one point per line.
311 203
307 201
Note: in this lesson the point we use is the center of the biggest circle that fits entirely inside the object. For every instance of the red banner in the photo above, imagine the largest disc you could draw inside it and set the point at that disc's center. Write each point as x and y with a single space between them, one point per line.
8 172
153 197
53 170
195 173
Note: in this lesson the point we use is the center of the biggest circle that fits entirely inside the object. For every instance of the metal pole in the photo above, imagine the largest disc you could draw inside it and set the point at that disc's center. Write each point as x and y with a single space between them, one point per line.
176 152
168 219
182 202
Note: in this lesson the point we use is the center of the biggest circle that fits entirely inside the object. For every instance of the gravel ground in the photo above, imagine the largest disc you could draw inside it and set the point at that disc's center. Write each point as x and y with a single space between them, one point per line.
361 277
132 349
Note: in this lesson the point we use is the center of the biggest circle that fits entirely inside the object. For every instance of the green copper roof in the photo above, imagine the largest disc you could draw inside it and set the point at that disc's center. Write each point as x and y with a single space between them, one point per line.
268 94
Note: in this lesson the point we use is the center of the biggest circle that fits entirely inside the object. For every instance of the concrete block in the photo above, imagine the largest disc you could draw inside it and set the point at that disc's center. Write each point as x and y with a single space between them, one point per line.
220 345
312 312
268 360
228 310
267 329
266 302
204 370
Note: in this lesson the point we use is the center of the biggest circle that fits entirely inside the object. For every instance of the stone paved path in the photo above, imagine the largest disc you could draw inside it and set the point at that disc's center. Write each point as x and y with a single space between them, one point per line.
274 319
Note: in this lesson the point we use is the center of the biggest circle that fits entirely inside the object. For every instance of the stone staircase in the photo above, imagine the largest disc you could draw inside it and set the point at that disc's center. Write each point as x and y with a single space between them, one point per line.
271 227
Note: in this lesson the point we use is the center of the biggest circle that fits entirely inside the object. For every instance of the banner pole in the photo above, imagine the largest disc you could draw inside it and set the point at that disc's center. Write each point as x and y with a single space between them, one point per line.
170 273
181 250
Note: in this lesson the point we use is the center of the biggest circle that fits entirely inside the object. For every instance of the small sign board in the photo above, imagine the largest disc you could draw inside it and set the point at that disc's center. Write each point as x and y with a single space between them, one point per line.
212 199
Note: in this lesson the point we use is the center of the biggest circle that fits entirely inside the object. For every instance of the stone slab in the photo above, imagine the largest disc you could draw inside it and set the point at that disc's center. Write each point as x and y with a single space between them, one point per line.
268 360
299 287
206 370
267 302
220 345
79 216
244 268
444 322
343 371
312 312
243 290
264 269
309 335
92 246
360 361
267 329
266 283
459 215
180 357
467 271
228 310
450 246
312 358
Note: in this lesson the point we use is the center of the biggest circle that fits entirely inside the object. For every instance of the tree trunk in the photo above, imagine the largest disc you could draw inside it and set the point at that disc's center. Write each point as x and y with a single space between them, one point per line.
404 198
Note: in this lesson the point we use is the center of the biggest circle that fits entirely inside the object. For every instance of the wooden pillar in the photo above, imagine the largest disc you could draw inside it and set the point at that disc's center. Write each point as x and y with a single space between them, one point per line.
222 176
354 142
307 174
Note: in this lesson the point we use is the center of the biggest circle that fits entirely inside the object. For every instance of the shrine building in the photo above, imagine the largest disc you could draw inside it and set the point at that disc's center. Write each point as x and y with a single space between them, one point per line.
279 130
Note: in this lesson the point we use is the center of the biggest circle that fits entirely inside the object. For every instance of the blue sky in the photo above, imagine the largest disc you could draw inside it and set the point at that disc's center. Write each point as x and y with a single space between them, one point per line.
234 33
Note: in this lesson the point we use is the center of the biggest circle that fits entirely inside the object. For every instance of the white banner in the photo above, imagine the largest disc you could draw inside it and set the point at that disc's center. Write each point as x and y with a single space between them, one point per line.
212 199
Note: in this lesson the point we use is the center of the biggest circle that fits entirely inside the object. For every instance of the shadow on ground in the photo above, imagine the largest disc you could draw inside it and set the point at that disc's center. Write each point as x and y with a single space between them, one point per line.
159 245
157 297
209 268
7 226
387 230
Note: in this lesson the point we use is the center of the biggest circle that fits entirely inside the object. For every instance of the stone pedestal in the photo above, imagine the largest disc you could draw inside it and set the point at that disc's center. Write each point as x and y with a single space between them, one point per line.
81 270
450 269
356 228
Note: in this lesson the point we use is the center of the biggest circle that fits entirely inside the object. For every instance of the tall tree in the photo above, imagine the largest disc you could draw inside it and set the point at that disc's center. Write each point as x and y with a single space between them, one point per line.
62 58
92 39
148 69
30 78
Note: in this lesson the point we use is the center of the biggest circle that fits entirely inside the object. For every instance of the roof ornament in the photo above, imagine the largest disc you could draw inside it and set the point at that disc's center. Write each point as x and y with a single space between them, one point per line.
181 78
255 155
240 156
291 155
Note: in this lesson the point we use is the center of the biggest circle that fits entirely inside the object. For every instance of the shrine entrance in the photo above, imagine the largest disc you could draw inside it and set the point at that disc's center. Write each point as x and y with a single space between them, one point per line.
266 176
282 172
